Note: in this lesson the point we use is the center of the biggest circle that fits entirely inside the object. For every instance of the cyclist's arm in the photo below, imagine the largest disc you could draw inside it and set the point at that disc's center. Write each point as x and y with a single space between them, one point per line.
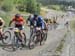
24 22
3 23
27 20
44 22
11 22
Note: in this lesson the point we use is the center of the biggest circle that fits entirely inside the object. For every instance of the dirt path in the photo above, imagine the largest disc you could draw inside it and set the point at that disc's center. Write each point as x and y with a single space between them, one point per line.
53 40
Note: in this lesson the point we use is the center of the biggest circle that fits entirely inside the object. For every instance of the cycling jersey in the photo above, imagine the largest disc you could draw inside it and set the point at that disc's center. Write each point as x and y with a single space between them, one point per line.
39 22
18 21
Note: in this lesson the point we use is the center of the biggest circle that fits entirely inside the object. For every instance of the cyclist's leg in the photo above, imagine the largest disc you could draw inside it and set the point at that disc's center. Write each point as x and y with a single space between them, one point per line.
31 31
21 31
42 26
33 34
22 36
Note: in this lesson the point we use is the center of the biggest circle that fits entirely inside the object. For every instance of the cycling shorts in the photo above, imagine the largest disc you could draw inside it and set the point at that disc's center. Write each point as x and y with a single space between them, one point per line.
20 27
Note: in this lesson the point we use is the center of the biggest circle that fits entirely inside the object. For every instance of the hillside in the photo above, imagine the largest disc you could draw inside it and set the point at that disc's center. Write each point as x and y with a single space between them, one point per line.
58 2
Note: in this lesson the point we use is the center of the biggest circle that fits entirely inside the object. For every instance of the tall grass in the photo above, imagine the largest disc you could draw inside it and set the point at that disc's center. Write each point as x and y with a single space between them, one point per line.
6 18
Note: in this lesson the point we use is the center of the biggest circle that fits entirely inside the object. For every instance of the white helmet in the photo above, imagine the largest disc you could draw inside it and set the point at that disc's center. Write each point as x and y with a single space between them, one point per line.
0 18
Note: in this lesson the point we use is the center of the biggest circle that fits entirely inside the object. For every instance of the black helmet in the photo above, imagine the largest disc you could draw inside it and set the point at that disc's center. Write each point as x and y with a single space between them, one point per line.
35 15
17 15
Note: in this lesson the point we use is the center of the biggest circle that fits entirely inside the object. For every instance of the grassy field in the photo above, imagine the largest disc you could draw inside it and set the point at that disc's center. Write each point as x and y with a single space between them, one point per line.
72 25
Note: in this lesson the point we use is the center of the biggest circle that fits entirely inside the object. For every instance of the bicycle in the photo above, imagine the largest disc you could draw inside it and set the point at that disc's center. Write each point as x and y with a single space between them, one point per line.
17 38
36 37
5 37
45 33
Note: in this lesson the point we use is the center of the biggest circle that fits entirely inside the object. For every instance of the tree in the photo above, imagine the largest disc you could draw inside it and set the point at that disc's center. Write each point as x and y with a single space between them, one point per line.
32 6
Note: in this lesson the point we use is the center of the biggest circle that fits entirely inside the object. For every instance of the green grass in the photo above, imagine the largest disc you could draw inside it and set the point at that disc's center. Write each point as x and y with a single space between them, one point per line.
6 18
59 48
61 45
56 7
72 25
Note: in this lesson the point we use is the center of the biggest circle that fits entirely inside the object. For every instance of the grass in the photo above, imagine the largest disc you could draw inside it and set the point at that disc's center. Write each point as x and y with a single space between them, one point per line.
54 7
43 12
59 48
61 45
72 25
6 18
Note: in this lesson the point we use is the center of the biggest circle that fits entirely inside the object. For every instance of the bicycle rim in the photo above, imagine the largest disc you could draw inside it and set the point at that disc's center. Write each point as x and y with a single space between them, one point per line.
7 37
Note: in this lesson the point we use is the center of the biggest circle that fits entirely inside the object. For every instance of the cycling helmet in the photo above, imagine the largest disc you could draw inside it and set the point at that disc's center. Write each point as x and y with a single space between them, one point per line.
0 18
17 15
35 15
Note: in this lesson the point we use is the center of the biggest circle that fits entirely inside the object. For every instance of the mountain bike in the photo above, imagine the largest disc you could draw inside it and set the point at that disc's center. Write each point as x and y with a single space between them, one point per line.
17 40
5 37
35 38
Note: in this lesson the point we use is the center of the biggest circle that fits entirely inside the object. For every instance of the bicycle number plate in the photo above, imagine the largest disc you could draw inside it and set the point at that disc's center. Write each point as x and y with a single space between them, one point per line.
16 30
38 28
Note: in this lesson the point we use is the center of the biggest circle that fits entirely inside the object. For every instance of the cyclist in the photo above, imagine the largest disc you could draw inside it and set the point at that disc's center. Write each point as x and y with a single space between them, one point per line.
30 23
39 21
29 20
2 23
19 23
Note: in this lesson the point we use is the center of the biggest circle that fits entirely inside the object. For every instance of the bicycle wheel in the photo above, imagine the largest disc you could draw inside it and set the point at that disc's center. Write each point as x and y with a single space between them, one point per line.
6 37
45 36
31 44
40 38
14 44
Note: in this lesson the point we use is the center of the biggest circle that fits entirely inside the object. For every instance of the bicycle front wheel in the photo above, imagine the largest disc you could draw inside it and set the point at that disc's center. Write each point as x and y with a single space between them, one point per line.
6 37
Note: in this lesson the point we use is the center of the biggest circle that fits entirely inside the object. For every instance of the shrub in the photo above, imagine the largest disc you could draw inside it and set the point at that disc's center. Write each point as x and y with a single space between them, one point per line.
7 5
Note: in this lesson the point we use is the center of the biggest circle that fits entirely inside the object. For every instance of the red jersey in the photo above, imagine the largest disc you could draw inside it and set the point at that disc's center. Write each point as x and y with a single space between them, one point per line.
18 21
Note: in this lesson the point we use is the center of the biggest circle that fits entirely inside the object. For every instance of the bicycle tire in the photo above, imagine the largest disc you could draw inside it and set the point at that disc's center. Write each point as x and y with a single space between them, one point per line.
30 40
4 39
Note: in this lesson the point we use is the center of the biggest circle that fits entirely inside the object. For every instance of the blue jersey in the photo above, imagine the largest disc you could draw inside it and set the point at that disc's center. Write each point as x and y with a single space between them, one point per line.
39 22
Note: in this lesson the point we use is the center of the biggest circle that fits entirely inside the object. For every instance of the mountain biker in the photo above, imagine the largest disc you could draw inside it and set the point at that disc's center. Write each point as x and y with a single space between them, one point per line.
35 21
19 23
2 23
29 20
30 23
39 21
